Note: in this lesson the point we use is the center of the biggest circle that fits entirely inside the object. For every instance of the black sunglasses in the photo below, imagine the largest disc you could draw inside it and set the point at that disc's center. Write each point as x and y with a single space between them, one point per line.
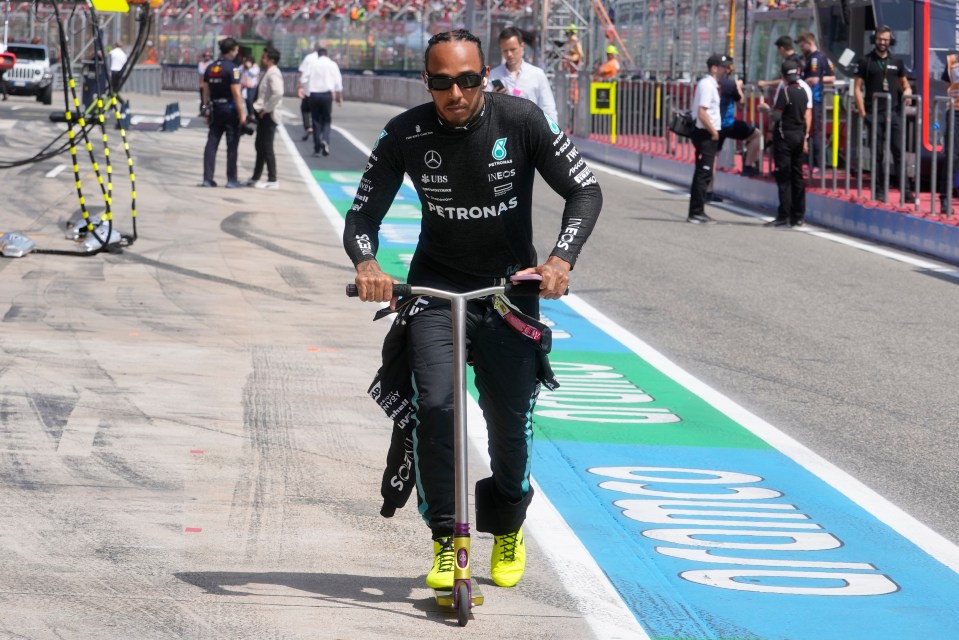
444 83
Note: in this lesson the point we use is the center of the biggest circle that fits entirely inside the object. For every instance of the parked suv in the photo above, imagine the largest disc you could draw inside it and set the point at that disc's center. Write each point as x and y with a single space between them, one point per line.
32 75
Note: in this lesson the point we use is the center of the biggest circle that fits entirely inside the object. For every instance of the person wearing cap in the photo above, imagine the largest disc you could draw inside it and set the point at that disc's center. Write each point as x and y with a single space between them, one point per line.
609 69
791 130
705 110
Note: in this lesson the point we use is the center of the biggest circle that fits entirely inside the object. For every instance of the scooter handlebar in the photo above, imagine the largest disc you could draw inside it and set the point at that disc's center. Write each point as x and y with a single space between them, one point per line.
529 288
399 290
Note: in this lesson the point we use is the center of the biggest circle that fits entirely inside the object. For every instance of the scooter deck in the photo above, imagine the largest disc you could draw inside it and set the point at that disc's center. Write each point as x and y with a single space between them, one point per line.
444 597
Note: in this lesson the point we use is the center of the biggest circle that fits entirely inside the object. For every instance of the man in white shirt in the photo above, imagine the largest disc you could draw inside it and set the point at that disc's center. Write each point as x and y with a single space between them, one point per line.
705 111
519 78
320 79
118 58
266 107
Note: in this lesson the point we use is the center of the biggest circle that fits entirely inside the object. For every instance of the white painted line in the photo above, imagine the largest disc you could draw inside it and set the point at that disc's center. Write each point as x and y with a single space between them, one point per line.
54 172
597 600
863 245
332 215
16 108
925 538
365 150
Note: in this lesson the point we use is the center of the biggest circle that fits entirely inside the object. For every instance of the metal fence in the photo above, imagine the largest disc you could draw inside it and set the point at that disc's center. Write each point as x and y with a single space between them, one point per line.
846 143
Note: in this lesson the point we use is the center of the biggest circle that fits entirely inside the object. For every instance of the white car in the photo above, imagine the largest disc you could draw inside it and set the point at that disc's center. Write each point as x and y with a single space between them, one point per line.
33 74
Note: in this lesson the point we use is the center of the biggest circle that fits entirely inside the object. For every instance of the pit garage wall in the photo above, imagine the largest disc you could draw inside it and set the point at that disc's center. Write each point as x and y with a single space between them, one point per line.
879 225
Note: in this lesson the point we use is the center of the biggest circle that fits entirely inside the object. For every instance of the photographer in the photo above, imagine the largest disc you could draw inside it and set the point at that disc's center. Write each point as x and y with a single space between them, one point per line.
224 109
266 110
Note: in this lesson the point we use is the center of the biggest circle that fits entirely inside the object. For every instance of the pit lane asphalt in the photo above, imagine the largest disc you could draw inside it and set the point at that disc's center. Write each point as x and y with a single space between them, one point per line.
188 450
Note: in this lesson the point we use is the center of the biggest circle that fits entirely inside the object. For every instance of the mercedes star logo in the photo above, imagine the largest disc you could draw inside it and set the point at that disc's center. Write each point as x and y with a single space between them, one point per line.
433 159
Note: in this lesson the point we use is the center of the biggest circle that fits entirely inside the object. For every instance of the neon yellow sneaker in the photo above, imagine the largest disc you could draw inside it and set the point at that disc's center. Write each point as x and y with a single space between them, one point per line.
509 559
441 575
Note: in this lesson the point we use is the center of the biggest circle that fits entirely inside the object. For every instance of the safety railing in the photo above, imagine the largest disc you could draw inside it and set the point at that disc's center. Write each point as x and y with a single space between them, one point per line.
845 145
950 112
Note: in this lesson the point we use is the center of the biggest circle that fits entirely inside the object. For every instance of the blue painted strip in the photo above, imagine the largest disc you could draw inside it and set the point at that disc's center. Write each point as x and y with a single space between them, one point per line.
670 606
763 548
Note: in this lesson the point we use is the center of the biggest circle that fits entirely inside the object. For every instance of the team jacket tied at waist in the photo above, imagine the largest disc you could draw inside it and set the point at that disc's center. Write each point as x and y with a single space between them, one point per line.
391 389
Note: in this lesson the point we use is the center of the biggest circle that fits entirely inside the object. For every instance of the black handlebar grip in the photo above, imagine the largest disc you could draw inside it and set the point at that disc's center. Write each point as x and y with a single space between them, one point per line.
399 290
528 288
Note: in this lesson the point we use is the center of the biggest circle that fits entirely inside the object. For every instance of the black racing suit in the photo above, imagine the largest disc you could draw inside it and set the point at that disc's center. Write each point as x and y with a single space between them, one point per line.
475 185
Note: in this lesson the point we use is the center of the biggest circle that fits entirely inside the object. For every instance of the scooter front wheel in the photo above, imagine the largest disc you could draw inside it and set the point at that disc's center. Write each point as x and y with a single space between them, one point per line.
463 604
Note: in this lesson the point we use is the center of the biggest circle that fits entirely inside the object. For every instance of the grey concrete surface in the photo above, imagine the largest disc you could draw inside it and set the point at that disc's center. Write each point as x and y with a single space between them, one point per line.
186 446
188 452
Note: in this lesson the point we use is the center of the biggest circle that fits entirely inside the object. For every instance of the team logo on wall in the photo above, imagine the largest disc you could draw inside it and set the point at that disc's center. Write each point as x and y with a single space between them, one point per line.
433 159
499 149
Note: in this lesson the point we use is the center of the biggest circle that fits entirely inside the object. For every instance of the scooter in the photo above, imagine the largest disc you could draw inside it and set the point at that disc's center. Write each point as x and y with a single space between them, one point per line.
465 593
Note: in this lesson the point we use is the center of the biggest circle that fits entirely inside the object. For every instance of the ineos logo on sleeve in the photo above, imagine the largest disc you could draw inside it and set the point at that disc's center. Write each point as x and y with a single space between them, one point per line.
432 159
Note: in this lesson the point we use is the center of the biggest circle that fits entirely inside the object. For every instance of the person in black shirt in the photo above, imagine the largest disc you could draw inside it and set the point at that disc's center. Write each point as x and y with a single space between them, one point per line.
787 51
227 111
790 141
473 156
818 73
881 72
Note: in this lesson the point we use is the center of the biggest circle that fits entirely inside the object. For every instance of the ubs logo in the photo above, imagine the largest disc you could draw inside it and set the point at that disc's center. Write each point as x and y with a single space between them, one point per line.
432 159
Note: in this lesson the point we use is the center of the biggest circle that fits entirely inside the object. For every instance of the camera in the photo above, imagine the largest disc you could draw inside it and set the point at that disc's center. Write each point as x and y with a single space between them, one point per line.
498 85
249 127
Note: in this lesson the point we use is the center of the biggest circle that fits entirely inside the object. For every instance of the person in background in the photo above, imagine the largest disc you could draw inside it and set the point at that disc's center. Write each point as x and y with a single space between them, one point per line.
118 58
320 79
151 54
787 51
307 118
249 77
201 66
881 72
790 140
266 108
705 110
573 54
224 104
948 186
609 70
731 94
516 77
818 73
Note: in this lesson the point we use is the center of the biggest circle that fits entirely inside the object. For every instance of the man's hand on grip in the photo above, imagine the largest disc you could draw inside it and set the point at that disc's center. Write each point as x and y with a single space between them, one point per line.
372 284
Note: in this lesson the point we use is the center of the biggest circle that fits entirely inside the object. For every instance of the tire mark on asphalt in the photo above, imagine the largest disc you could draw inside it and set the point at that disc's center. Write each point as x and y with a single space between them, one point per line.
192 273
238 225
